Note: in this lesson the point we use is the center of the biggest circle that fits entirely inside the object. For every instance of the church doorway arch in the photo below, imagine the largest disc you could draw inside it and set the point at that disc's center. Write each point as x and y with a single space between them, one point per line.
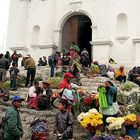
77 30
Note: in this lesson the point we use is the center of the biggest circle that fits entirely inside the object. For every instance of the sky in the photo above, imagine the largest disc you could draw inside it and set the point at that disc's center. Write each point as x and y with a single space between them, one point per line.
4 12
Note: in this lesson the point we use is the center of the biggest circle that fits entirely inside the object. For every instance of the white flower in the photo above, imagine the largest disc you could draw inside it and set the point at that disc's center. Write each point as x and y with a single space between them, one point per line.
86 114
109 119
94 111
80 116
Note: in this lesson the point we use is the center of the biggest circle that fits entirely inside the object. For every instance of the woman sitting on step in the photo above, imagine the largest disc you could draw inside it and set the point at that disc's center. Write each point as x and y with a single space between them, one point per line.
33 95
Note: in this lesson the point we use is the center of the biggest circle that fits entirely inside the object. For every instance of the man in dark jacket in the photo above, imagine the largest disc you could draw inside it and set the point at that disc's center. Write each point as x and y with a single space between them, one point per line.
52 60
13 127
4 66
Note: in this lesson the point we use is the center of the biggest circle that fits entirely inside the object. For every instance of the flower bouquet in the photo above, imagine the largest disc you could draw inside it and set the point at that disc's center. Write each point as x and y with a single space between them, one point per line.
132 122
115 126
89 102
91 120
115 123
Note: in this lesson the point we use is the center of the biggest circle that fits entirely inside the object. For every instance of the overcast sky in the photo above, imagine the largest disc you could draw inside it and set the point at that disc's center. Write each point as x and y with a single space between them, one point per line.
4 12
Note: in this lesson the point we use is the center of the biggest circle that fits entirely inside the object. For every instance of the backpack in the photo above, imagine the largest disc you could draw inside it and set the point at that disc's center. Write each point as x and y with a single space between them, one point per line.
2 128
39 130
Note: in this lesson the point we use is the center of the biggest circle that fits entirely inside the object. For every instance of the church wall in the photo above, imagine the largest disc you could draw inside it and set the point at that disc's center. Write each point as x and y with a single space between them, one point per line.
51 15
41 13
16 35
123 50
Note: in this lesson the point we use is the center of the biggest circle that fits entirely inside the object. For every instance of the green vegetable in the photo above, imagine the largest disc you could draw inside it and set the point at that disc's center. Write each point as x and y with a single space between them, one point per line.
128 86
54 81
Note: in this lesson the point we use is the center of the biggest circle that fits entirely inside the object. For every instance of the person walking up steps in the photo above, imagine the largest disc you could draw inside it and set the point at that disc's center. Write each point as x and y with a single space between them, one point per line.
29 65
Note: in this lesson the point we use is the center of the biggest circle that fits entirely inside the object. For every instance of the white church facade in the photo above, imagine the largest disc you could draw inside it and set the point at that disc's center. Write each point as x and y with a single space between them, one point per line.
107 28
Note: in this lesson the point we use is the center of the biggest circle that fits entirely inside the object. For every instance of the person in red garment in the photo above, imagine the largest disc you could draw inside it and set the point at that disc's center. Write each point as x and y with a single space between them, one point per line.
65 83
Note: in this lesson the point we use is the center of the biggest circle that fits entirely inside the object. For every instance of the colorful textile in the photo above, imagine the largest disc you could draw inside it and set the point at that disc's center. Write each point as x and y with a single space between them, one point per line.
102 98
110 94
32 102
39 130
68 94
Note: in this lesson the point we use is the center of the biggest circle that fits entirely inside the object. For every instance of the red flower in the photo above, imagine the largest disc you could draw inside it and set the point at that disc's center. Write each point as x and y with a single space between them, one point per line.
88 100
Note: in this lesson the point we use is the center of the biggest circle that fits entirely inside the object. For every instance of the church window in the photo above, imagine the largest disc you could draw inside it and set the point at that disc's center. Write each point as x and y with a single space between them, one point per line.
35 34
122 24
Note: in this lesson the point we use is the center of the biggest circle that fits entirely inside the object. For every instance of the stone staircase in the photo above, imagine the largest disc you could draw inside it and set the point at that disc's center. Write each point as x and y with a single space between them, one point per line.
28 115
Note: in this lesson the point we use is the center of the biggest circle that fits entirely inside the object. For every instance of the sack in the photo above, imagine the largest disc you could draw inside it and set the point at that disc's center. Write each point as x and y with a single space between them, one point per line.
39 130
2 128
103 70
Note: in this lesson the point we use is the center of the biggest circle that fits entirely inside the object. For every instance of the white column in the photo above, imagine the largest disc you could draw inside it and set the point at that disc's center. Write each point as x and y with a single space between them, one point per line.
136 42
57 38
100 50
94 32
23 11
16 35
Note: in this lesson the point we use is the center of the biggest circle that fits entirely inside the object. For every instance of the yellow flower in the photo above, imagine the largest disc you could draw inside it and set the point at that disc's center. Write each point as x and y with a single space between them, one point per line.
100 122
94 122
85 122
91 116
100 116
131 117
97 96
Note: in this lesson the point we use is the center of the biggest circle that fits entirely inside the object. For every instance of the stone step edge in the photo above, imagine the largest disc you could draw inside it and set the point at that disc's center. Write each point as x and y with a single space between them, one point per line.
46 113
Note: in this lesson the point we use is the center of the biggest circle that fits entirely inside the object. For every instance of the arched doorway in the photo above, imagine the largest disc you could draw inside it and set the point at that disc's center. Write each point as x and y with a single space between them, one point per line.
77 29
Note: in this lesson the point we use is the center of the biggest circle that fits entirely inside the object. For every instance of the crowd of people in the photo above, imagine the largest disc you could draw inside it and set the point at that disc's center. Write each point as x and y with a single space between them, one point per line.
41 97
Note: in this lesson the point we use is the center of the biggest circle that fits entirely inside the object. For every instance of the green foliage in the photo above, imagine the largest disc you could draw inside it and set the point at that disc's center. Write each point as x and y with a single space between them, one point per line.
122 98
128 86
21 81
54 81
5 85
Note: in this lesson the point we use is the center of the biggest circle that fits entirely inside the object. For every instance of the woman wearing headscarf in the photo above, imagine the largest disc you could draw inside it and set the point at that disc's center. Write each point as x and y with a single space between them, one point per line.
108 104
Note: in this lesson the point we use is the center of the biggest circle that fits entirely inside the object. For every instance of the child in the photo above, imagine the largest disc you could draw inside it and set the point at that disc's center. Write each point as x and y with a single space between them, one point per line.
64 122
13 76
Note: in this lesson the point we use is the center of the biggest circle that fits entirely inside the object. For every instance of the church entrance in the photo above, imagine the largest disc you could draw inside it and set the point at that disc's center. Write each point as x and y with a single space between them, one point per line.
77 30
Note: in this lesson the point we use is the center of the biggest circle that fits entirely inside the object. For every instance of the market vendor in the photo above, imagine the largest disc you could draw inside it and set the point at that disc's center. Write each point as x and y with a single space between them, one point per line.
65 83
33 94
44 100
120 74
108 105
